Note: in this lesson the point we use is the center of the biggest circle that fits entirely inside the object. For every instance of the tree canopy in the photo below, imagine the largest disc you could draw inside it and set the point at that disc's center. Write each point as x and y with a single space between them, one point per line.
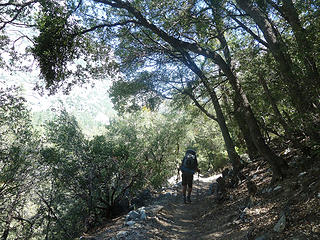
229 77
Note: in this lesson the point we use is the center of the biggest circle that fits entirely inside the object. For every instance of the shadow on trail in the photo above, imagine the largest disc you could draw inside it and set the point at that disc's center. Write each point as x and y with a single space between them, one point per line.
202 219
178 220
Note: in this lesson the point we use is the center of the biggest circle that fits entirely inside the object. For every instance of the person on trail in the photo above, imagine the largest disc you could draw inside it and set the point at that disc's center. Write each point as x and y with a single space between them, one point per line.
189 166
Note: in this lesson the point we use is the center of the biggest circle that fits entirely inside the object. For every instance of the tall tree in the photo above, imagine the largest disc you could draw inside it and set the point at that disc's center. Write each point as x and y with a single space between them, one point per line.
135 18
279 49
305 48
19 155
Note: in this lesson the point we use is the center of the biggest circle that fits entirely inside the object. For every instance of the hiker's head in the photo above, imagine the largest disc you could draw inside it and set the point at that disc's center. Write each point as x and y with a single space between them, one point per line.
189 150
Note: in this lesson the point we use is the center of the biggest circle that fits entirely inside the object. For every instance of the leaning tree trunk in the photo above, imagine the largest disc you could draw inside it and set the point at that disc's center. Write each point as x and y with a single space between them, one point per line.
252 150
273 103
278 49
240 120
278 165
289 12
233 155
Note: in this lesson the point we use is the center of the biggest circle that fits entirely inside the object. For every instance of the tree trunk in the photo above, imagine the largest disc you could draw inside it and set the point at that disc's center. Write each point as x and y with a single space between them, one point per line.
245 133
273 103
278 165
233 155
241 120
312 81
6 231
278 49
252 150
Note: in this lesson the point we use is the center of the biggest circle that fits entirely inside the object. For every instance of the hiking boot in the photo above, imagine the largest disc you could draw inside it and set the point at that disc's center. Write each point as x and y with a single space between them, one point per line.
188 199
184 199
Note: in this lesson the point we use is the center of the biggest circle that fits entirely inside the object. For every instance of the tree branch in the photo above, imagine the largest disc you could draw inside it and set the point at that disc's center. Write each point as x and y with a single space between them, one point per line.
255 36
106 25
17 13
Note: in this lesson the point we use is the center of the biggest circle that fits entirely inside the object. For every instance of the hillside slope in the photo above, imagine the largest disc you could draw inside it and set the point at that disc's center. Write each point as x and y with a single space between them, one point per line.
296 201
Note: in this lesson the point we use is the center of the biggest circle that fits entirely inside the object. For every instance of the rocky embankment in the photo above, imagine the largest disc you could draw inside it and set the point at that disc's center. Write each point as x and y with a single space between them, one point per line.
255 209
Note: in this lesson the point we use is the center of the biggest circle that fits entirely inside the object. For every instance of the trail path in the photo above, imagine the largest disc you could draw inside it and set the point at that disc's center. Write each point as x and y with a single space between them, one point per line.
202 219
183 221
190 221
238 217
174 220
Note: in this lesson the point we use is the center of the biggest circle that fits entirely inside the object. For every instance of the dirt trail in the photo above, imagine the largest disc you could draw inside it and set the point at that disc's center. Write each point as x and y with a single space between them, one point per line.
175 220
178 220
202 219
238 217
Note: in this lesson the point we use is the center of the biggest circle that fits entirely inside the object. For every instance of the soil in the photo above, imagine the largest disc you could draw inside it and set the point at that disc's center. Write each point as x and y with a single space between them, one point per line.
240 216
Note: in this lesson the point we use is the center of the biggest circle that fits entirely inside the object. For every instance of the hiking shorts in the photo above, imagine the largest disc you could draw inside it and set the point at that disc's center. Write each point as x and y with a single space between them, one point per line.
187 179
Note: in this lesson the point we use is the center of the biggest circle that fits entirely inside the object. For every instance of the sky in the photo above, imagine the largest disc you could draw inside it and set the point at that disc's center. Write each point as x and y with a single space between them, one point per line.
93 101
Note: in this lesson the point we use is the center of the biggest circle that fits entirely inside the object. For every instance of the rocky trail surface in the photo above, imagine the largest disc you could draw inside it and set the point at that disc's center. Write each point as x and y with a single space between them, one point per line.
289 210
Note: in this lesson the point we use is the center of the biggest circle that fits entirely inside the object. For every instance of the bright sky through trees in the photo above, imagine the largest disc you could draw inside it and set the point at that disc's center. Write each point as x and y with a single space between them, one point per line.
93 101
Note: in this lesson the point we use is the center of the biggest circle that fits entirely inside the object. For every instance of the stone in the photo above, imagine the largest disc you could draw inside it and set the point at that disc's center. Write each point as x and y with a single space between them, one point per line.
122 234
132 215
141 209
143 216
245 157
130 223
281 224
302 174
277 188
316 229
246 210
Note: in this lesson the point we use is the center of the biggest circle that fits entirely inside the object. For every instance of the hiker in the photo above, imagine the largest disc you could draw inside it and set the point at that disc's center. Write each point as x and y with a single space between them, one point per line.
188 167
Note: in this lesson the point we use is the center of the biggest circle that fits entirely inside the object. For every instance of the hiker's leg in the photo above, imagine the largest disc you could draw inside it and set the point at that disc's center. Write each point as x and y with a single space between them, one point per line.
184 190
190 180
184 187
189 191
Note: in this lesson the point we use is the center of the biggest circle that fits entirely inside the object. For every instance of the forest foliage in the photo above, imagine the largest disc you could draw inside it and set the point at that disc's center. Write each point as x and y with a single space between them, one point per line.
226 77
54 177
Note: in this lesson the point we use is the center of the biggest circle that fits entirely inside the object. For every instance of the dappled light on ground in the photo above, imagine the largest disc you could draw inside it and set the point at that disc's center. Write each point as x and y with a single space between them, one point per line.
239 216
